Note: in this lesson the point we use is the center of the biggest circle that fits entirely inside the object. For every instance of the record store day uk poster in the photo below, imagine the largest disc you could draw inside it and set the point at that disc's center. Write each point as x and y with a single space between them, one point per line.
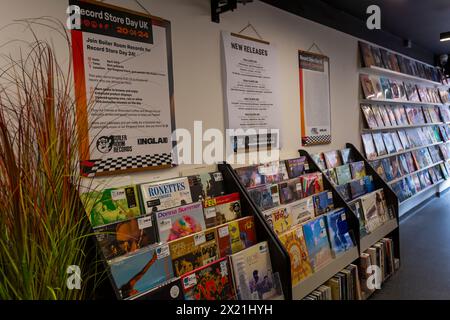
124 89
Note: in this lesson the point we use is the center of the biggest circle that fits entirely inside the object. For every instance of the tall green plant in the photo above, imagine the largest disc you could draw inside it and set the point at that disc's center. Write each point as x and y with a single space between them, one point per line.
43 229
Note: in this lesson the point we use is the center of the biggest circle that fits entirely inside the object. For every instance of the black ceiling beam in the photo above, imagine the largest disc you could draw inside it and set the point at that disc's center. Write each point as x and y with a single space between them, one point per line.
329 16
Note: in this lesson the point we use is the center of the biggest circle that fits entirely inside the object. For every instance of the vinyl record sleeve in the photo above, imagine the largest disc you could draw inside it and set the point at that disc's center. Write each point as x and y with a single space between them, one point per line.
165 194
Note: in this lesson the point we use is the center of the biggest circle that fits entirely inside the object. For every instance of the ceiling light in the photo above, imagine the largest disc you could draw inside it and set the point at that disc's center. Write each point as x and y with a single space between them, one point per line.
445 36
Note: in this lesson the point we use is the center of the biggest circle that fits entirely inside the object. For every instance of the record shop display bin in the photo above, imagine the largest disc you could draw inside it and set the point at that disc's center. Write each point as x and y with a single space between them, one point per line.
279 257
390 229
280 260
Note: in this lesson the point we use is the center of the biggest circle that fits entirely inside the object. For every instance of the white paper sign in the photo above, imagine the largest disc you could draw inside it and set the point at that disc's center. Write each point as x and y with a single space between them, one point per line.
251 87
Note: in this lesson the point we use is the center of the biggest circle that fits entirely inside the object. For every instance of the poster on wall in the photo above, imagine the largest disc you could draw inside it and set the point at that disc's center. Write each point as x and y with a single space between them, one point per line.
123 87
251 92
315 106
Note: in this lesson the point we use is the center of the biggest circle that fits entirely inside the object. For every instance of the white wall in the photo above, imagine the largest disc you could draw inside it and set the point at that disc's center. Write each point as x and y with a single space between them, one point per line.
197 63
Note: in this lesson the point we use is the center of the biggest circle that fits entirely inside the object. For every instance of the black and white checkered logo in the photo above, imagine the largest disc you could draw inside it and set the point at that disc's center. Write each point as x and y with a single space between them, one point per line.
127 163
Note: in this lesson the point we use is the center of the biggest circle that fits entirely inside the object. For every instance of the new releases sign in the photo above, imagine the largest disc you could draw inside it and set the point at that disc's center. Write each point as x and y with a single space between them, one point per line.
124 88
251 92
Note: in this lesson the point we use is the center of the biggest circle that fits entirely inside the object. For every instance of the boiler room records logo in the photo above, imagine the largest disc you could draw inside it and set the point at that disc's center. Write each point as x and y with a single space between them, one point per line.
105 144
116 144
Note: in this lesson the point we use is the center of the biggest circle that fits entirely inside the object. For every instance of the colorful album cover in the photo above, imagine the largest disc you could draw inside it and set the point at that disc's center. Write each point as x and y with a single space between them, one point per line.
425 179
332 159
358 169
387 138
404 168
205 186
281 219
344 191
444 95
416 181
445 114
367 86
127 236
369 186
165 194
436 134
301 210
283 170
340 238
395 167
378 167
435 153
411 92
347 156
403 139
250 176
397 143
445 151
180 222
191 252
381 116
294 243
391 115
296 167
395 90
343 174
331 174
397 187
376 54
385 59
170 290
369 147
427 114
435 114
141 271
379 144
222 209
394 62
317 242
312 183
290 190
265 197
236 236
444 171
272 172
211 282
433 176
357 188
356 207
366 54
386 163
381 112
369 116
438 172
252 274
443 133
386 88
398 115
406 192
319 160
323 202
111 205
370 211
410 184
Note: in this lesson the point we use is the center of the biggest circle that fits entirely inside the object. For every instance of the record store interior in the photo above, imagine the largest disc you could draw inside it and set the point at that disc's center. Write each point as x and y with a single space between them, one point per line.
232 150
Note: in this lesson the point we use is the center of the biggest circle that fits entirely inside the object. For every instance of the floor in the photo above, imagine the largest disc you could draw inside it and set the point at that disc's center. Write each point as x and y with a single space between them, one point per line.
425 255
